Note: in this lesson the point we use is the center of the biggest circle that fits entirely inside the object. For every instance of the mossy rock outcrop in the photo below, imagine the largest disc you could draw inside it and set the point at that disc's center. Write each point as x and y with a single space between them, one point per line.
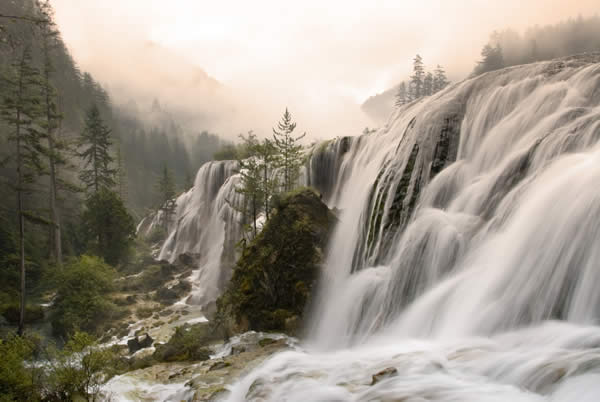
274 277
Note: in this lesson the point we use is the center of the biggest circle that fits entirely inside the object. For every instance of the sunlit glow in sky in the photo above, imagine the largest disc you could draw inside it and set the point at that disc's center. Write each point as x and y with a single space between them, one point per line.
321 58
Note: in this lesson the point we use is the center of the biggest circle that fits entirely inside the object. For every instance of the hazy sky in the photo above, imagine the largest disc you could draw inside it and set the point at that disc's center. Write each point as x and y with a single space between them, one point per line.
321 58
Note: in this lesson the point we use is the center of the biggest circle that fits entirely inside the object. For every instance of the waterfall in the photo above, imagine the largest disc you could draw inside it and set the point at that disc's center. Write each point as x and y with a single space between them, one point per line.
467 256
207 226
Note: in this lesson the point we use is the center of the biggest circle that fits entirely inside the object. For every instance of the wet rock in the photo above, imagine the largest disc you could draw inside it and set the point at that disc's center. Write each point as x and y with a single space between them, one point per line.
139 342
237 349
266 341
219 366
188 259
383 374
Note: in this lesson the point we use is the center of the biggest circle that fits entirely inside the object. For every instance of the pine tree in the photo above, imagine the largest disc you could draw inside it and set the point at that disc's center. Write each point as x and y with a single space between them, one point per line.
267 156
95 139
428 84
439 80
50 123
416 80
20 110
121 176
492 58
250 182
401 95
166 192
291 155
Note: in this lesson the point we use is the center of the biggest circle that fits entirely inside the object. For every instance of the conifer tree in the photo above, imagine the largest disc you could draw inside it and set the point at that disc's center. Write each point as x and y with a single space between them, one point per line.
20 110
50 123
428 84
289 149
166 191
121 176
95 140
401 95
439 79
416 80
267 156
250 182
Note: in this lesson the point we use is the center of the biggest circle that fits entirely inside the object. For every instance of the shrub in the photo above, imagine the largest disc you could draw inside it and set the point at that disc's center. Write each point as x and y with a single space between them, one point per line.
17 383
79 370
81 301
11 312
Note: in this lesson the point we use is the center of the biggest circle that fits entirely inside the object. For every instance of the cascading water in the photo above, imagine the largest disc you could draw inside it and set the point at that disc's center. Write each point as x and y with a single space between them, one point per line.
467 257
207 226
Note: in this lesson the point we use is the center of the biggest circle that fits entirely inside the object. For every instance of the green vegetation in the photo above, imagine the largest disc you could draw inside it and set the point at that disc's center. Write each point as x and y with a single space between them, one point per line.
81 301
107 226
74 373
421 83
273 278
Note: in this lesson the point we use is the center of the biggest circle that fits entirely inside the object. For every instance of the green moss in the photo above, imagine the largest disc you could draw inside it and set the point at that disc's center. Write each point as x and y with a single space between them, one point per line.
275 274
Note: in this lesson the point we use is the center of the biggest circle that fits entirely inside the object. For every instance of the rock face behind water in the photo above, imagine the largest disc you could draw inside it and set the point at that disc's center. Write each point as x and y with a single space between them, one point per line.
275 275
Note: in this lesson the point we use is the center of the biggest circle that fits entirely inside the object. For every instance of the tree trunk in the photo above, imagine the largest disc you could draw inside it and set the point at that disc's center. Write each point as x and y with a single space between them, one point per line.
56 228
21 226
266 190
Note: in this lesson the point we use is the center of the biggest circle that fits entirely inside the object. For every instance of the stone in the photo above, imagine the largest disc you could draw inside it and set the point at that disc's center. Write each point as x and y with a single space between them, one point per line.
139 342
383 374
219 366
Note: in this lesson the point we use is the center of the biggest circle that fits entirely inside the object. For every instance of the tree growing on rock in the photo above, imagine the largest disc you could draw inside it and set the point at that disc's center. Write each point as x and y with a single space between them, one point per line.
290 151
402 94
416 80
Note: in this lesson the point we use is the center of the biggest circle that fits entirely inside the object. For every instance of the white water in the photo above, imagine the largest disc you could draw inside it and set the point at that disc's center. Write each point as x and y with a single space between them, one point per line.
207 226
480 283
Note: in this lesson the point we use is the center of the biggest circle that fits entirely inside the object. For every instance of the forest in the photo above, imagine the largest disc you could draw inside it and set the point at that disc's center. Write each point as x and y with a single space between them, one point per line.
447 254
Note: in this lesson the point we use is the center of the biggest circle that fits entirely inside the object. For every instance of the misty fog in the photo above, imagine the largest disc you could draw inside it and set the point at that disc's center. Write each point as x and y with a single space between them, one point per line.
234 66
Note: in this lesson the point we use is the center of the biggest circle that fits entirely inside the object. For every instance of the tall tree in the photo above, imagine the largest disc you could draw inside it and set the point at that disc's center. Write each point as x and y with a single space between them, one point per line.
20 109
107 226
416 80
267 156
492 58
439 79
166 193
290 150
50 122
250 182
121 175
402 94
428 84
97 172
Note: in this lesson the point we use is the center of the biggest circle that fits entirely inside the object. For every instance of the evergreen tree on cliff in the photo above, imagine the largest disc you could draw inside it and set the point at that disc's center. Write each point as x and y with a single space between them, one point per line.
402 94
250 182
492 58
416 80
439 79
428 84
95 140
290 150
